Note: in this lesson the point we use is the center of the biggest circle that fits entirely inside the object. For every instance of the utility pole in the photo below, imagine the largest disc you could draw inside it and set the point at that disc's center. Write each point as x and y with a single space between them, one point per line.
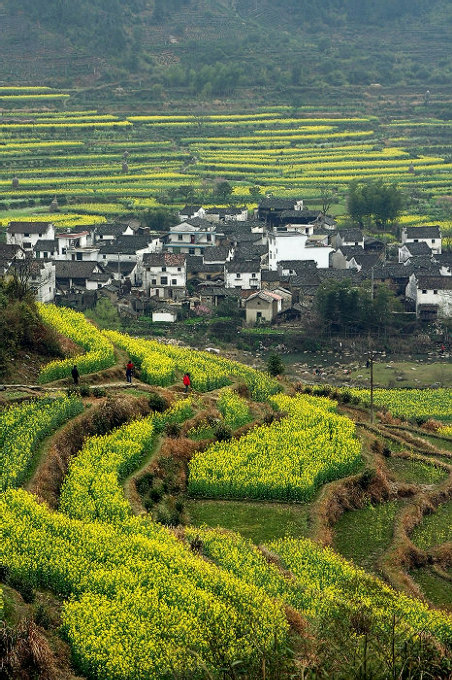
372 417
371 366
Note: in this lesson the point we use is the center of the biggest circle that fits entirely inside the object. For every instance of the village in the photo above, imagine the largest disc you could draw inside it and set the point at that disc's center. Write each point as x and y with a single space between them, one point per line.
269 262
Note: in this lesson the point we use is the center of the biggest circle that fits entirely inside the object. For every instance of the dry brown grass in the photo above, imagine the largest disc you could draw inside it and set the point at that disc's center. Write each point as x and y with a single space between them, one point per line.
403 555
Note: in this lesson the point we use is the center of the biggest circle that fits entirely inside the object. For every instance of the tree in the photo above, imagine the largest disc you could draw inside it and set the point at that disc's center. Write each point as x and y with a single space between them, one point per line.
374 200
275 365
255 193
105 314
343 306
328 196
160 219
223 191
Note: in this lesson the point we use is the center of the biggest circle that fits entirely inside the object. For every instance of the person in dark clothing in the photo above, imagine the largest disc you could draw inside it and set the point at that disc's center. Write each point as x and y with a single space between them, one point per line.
75 375
187 382
129 371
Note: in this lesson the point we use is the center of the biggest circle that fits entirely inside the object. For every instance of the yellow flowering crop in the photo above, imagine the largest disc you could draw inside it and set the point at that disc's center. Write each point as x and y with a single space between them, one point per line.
23 427
287 460
159 363
75 326
141 605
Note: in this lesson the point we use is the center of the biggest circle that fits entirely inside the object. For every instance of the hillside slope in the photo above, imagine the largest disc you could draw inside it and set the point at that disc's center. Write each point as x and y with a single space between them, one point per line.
218 47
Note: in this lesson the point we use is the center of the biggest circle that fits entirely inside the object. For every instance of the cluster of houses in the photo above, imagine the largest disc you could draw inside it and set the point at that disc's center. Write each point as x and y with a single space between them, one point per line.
270 262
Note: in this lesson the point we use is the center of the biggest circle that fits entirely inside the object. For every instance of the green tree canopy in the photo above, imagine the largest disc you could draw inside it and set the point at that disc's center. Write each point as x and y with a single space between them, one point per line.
374 200
343 306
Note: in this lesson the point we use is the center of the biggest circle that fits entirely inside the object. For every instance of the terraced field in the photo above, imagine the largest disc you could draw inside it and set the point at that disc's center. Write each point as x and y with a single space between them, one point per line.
138 598
106 164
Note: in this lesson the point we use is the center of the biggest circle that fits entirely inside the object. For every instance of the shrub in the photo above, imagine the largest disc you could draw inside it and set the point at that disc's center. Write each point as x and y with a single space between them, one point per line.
172 430
99 392
275 365
157 402
84 390
41 616
223 432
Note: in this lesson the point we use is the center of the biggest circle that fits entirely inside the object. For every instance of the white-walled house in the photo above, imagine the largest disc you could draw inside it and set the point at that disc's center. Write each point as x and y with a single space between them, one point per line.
26 234
46 249
71 274
69 243
40 277
431 235
191 237
242 274
164 275
348 237
44 282
128 249
217 215
307 229
10 253
431 294
292 245
189 212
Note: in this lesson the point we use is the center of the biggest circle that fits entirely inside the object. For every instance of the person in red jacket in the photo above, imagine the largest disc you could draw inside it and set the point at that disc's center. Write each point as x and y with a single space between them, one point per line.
187 381
129 371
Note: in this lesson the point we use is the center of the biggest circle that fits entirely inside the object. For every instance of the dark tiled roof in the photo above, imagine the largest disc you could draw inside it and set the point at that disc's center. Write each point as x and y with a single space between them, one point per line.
307 279
110 229
125 268
426 264
340 275
250 251
393 271
26 267
297 265
200 223
444 258
243 266
270 276
9 251
46 245
350 234
71 269
28 227
164 259
428 231
222 212
195 263
100 278
117 249
434 282
300 216
126 245
247 237
367 260
216 254
420 248
234 226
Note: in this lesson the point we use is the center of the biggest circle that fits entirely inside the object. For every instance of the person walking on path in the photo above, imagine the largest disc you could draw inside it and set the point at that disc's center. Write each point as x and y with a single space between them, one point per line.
75 375
187 382
129 371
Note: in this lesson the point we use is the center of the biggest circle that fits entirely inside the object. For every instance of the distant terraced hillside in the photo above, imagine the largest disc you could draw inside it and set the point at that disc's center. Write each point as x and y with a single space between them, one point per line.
222 48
